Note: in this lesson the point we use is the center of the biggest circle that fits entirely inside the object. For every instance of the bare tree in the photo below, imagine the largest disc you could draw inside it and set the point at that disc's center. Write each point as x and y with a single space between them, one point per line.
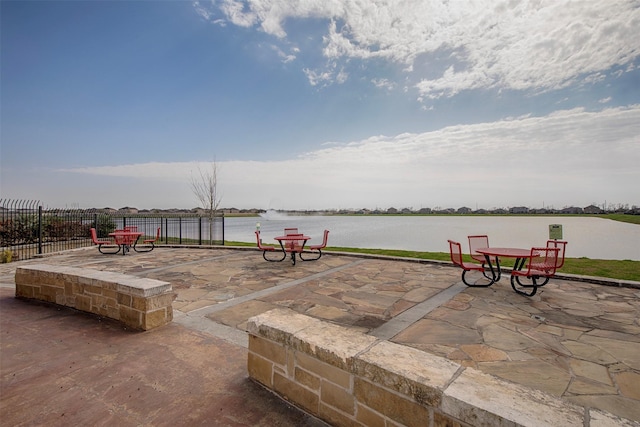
205 187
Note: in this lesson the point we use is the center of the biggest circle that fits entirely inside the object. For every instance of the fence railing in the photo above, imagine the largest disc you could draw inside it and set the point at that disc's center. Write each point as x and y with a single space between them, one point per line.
28 230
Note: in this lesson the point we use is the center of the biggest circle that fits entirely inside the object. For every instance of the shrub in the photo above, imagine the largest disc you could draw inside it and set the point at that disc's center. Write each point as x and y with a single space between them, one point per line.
103 224
6 256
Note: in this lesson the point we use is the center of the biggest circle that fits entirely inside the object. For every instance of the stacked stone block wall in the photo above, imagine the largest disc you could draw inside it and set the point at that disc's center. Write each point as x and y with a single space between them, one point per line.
138 303
348 378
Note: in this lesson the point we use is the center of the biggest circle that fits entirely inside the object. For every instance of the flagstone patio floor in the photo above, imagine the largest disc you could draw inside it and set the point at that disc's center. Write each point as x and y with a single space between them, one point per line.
575 340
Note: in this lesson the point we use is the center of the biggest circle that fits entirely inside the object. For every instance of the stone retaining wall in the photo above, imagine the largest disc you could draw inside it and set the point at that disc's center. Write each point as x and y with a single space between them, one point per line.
139 303
348 378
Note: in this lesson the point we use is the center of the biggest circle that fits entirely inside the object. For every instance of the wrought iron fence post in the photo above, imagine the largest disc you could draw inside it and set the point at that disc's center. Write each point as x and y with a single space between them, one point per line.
40 230
223 229
200 230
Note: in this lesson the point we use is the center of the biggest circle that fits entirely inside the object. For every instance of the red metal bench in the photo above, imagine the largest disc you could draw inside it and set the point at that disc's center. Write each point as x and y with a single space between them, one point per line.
267 248
147 242
101 243
475 242
455 249
542 264
562 246
318 248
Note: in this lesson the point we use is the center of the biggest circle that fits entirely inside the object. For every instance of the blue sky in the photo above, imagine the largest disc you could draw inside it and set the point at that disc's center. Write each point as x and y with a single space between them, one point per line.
319 104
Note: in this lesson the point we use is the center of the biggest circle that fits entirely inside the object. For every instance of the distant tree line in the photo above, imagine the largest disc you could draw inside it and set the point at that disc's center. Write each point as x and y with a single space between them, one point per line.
523 210
515 210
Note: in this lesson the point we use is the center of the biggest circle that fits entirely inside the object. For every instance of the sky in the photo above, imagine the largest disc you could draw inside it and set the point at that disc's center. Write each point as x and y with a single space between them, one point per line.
321 104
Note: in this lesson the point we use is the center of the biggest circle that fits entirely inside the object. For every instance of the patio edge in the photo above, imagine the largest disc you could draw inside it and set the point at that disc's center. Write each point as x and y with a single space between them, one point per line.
348 378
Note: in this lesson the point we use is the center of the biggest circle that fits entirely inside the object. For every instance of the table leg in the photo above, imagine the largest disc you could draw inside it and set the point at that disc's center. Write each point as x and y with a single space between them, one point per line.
495 273
293 250
519 263
284 252
127 243
135 243
304 242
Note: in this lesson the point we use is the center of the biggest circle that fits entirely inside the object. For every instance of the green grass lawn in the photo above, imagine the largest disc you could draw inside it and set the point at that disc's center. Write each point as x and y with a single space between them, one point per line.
632 219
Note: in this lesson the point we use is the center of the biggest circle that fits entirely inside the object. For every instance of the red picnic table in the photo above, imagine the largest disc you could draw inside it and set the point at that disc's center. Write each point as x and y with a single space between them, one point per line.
293 244
126 239
542 264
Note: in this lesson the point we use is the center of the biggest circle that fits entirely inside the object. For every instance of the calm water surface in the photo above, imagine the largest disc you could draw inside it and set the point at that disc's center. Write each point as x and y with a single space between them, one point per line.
594 238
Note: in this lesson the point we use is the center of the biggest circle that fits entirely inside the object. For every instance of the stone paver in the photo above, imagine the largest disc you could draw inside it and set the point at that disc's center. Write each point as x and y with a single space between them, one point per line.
577 341
562 341
60 367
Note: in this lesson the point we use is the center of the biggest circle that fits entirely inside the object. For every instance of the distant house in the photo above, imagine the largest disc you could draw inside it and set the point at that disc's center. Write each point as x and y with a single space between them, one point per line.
464 210
572 210
592 209
127 209
519 210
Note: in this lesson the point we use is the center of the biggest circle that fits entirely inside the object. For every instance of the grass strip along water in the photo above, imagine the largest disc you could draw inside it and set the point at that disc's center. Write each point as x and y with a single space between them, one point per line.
613 269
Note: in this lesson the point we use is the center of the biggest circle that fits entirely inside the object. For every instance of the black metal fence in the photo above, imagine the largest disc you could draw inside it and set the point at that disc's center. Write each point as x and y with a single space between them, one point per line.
28 230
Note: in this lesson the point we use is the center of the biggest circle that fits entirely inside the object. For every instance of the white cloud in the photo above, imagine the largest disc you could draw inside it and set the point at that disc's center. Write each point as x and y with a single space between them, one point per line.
237 14
315 78
342 76
383 83
568 157
203 11
453 82
522 45
285 57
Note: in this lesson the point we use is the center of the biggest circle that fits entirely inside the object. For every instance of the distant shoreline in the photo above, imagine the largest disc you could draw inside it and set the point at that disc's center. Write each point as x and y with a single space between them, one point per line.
627 218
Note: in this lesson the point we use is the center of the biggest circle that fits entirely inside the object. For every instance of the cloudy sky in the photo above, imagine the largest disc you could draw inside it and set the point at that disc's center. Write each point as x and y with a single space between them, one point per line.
314 104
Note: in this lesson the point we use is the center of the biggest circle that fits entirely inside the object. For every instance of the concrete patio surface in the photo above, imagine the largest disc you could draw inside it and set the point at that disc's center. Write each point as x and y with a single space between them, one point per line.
575 340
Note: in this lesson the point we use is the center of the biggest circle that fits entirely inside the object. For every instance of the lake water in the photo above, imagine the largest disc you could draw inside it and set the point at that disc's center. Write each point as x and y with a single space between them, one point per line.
589 237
